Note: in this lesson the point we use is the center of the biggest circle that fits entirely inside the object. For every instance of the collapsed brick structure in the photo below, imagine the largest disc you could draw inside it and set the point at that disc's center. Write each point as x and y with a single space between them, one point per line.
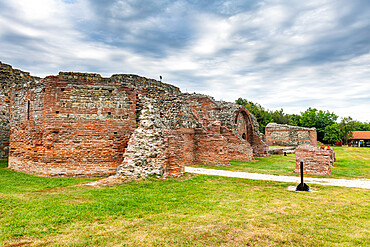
79 124
287 135
316 160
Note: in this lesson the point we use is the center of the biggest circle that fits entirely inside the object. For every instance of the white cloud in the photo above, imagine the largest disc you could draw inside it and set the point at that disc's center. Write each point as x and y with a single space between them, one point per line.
279 54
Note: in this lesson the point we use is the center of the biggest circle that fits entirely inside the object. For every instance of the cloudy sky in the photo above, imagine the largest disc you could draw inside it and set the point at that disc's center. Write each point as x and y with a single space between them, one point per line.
281 54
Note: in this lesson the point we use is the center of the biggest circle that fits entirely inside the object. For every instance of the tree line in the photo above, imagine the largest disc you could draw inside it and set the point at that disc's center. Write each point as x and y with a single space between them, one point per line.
329 130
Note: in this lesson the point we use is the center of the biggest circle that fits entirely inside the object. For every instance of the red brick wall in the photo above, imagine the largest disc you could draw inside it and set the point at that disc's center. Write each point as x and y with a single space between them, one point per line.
202 108
198 146
316 161
211 148
180 147
76 126
237 149
313 138
260 149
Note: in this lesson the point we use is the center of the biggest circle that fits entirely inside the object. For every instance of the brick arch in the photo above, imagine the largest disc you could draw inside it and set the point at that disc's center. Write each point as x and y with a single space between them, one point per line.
247 134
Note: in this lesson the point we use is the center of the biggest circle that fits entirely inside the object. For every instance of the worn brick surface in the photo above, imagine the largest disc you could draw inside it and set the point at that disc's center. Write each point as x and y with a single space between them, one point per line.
79 124
71 126
10 78
286 135
316 161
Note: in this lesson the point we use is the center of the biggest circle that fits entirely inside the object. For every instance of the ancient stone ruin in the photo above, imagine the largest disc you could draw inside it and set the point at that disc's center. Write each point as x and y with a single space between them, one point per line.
287 135
79 124
316 160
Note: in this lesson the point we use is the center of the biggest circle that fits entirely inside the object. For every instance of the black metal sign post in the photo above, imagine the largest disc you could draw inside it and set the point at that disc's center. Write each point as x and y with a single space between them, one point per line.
302 186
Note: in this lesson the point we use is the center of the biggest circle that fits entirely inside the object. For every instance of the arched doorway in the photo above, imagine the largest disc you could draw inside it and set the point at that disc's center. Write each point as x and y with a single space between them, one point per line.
244 125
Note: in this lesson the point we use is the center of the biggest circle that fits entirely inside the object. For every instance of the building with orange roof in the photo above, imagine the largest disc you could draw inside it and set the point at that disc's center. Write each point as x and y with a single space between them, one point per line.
360 139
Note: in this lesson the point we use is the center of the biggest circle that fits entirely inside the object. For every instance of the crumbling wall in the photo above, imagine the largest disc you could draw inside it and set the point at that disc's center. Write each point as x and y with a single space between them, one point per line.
235 118
237 148
146 86
79 124
286 135
211 146
240 121
316 161
145 153
4 126
71 124
10 79
171 134
163 142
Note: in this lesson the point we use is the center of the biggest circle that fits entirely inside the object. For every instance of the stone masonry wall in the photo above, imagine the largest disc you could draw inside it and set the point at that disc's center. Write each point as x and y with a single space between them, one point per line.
79 124
316 161
9 79
157 146
4 126
234 117
171 134
72 124
147 86
286 135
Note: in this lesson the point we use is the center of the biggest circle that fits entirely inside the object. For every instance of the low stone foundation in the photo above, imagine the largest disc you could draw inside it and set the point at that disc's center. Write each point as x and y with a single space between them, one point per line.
316 161
67 169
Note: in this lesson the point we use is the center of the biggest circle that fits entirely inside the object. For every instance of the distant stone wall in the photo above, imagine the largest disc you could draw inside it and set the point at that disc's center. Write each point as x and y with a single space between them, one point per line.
316 161
286 135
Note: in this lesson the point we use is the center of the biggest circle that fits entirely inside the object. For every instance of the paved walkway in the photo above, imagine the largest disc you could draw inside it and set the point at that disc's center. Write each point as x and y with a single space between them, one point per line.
355 183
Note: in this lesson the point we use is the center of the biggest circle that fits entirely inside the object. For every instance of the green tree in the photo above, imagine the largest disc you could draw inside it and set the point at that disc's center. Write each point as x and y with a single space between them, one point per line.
294 119
332 133
359 126
280 117
346 126
318 119
323 121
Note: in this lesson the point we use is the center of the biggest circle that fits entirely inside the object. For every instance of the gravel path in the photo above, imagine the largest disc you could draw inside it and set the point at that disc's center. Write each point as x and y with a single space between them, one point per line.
355 183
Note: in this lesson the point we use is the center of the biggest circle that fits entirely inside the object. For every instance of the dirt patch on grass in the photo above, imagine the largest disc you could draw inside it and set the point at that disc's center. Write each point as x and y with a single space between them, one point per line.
117 180
17 244
109 181
76 201
187 176
51 190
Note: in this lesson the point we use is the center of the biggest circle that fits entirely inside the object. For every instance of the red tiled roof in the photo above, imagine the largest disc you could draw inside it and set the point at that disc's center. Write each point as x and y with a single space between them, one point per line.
360 135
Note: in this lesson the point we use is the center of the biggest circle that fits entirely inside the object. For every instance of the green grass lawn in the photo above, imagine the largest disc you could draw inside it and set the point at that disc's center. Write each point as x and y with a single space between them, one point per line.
351 163
187 211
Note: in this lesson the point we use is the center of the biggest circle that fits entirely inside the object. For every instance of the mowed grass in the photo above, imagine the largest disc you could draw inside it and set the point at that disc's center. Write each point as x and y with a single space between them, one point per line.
351 163
187 211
